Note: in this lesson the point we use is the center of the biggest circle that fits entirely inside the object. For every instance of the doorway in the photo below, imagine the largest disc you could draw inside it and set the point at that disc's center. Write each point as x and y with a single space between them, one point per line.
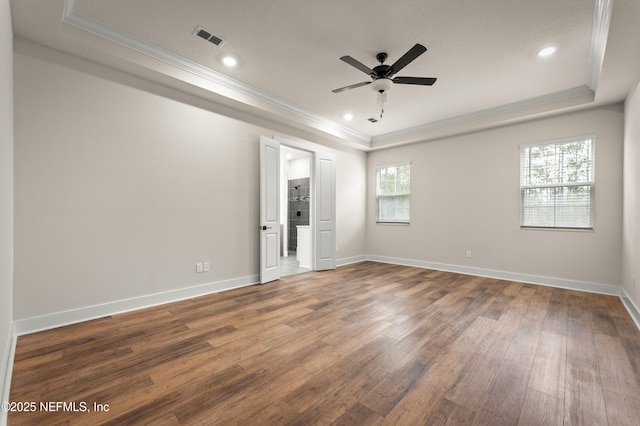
295 211
321 230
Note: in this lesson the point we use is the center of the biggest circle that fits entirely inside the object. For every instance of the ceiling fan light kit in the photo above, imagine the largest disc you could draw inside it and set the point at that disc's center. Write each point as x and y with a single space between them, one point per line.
382 85
382 75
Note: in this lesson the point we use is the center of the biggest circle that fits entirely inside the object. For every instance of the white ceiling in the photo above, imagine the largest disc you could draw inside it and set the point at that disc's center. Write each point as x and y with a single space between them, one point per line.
484 54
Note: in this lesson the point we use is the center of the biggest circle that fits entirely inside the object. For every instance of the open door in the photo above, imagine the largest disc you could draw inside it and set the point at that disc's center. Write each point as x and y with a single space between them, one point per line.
325 212
269 210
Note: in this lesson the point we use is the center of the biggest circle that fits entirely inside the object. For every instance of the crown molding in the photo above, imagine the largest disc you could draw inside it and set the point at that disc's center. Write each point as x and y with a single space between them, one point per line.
487 118
282 109
237 89
599 34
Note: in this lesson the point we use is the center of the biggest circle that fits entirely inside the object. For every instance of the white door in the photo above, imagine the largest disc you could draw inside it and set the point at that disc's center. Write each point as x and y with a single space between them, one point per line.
269 210
324 225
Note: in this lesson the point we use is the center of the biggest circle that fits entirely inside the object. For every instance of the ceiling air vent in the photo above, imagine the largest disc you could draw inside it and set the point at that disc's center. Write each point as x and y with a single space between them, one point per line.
207 35
373 120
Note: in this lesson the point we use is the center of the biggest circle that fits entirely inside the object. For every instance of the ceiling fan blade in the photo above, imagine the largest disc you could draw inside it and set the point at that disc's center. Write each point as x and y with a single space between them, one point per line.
423 81
357 64
406 59
353 86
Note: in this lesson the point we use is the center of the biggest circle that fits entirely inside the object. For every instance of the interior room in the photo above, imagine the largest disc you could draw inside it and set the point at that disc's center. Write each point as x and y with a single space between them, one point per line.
423 212
295 210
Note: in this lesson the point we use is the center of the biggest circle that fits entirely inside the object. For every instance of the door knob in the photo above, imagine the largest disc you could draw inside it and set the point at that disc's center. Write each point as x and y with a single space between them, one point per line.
265 227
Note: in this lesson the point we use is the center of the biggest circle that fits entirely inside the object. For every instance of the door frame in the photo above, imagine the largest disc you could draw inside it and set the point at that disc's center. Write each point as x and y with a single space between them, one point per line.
315 151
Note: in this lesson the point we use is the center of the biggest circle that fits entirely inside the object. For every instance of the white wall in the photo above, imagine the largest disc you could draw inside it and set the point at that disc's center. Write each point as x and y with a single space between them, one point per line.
299 168
6 189
120 188
465 196
631 210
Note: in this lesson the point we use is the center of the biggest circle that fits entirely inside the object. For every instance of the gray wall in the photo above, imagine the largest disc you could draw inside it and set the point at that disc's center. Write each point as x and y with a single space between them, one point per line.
465 196
6 187
120 189
631 210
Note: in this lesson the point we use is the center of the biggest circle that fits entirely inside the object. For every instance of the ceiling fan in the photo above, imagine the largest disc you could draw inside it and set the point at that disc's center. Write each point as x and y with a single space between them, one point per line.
382 75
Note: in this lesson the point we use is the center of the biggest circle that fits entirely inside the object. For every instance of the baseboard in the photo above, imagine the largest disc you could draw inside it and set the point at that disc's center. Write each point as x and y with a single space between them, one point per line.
503 275
589 287
350 260
59 319
632 308
6 371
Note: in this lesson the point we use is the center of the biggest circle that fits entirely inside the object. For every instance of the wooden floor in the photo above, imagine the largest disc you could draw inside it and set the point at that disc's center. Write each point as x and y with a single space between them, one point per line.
366 344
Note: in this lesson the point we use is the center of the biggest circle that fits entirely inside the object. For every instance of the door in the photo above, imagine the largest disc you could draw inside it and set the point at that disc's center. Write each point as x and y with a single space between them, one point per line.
325 212
269 210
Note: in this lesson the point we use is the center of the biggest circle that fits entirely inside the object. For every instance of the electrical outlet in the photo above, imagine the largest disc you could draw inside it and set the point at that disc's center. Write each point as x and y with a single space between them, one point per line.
468 254
207 266
199 267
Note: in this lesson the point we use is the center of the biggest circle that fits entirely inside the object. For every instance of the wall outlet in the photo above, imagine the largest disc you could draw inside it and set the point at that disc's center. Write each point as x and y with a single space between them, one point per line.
468 254
199 267
207 266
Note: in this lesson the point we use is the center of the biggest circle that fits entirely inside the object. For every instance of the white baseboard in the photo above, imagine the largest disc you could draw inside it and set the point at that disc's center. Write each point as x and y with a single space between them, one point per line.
59 319
350 260
503 275
590 287
633 309
6 371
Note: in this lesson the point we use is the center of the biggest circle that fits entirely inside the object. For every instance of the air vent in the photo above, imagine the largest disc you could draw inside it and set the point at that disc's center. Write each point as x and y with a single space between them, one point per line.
373 120
210 37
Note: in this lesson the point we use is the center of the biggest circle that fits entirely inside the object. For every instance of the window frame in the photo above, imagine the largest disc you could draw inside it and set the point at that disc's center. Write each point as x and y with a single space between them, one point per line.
378 196
590 183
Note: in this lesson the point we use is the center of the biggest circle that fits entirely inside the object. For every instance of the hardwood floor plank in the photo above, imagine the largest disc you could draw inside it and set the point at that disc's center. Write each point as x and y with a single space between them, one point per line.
358 414
584 397
384 397
540 408
549 365
506 394
622 410
474 381
368 343
524 344
617 374
447 412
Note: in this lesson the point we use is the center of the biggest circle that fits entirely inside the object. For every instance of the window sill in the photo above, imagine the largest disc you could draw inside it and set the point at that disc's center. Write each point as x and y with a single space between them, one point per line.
394 223
555 228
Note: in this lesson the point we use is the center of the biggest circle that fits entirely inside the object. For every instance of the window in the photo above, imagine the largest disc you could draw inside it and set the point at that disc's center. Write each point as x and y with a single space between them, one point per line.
557 185
393 193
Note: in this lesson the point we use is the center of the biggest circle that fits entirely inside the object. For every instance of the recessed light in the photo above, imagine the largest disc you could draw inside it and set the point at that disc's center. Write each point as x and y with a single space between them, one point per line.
348 116
229 61
547 51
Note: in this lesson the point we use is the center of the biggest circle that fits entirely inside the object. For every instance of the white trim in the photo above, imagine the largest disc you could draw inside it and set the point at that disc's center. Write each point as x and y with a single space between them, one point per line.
589 287
6 371
599 33
71 17
504 275
59 319
563 140
632 308
576 93
350 260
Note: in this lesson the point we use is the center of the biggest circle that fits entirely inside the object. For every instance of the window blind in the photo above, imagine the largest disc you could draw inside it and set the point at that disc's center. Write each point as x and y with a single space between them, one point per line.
393 193
557 184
